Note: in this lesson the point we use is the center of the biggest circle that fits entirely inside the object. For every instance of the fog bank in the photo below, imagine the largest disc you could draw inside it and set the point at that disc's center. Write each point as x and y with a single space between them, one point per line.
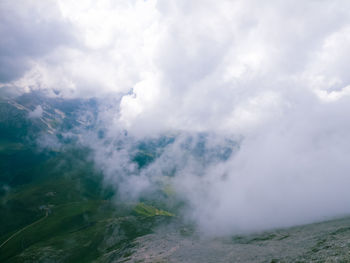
268 81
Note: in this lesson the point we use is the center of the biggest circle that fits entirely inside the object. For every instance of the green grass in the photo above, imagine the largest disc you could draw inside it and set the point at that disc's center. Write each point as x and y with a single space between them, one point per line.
72 189
63 219
77 225
150 211
9 147
79 229
83 224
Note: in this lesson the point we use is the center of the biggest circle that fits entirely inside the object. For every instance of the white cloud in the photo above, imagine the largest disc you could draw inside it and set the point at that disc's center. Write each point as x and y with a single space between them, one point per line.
273 72
36 113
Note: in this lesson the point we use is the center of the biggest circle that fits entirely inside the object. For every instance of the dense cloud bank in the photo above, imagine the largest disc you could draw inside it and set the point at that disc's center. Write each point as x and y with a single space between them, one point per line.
272 76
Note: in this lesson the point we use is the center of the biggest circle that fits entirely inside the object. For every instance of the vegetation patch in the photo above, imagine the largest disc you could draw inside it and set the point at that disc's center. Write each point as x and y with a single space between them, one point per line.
150 211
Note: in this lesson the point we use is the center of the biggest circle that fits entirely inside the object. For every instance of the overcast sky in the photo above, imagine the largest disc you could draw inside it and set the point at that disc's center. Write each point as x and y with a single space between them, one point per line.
232 63
275 72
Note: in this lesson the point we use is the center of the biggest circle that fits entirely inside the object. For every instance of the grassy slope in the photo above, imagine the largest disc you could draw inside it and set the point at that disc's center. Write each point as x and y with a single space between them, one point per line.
83 223
81 230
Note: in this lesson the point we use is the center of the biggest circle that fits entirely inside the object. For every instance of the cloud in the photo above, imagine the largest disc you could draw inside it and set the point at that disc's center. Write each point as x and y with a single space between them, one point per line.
228 65
292 171
273 74
29 30
80 49
36 113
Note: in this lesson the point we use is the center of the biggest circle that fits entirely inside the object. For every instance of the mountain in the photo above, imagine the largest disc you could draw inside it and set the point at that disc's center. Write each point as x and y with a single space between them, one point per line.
56 205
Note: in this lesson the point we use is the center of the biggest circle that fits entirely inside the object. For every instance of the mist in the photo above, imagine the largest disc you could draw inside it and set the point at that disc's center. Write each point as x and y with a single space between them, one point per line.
252 97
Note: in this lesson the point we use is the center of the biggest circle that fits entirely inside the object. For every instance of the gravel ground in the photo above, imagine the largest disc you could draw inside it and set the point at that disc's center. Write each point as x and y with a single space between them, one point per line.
321 242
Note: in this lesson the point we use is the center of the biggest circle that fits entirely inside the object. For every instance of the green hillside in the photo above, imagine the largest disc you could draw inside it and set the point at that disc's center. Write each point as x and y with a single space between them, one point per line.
75 218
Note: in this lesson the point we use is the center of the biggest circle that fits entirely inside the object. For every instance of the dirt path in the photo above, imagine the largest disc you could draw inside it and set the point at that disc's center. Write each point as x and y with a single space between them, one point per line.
24 228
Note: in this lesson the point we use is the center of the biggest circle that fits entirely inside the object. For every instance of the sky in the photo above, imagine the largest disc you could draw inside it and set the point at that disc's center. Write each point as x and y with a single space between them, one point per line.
272 72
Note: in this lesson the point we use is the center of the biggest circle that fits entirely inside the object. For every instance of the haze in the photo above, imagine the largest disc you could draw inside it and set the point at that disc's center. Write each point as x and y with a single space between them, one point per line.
271 76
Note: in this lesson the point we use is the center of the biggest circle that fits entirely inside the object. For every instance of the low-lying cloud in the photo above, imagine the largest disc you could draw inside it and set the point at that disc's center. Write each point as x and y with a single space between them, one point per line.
271 76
